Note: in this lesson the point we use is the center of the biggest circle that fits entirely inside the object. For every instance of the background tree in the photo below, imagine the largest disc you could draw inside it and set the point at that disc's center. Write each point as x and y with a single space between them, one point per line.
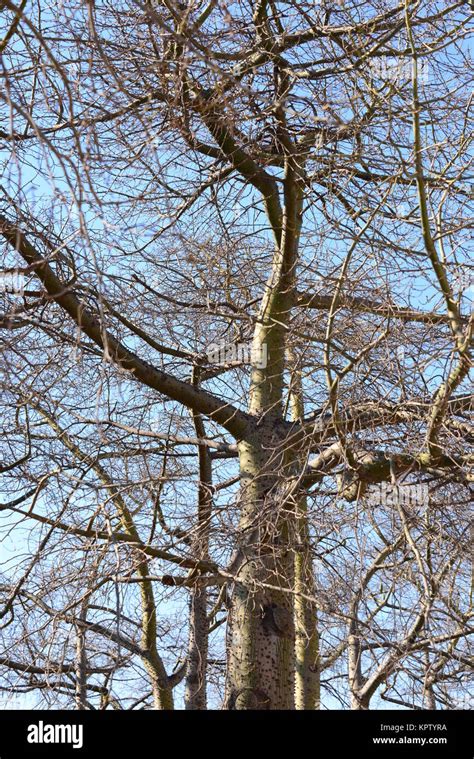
236 284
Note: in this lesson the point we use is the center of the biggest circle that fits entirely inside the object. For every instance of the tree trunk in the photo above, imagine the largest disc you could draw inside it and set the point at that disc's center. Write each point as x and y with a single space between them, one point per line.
356 680
195 696
261 631
261 661
307 662
307 676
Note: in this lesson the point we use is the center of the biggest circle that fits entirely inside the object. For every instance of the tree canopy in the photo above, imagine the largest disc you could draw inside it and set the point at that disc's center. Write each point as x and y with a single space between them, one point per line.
236 284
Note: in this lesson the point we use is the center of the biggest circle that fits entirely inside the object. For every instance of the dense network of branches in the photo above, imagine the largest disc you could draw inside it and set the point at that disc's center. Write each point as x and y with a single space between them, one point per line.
236 457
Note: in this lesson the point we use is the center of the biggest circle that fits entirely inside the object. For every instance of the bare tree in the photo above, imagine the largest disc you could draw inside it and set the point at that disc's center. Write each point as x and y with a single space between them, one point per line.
236 353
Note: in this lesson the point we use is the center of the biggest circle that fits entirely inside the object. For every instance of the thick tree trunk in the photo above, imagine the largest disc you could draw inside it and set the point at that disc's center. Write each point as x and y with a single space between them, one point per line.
261 660
261 646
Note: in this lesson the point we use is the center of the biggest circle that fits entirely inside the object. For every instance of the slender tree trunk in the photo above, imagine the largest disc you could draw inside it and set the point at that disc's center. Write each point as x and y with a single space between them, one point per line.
81 665
195 696
356 681
195 683
160 685
307 678
307 662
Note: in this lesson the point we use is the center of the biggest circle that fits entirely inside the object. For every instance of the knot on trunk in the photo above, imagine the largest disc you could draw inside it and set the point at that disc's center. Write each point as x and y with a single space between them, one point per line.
249 698
276 620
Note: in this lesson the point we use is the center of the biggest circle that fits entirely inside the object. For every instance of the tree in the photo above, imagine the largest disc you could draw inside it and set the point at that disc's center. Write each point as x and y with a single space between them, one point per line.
242 231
